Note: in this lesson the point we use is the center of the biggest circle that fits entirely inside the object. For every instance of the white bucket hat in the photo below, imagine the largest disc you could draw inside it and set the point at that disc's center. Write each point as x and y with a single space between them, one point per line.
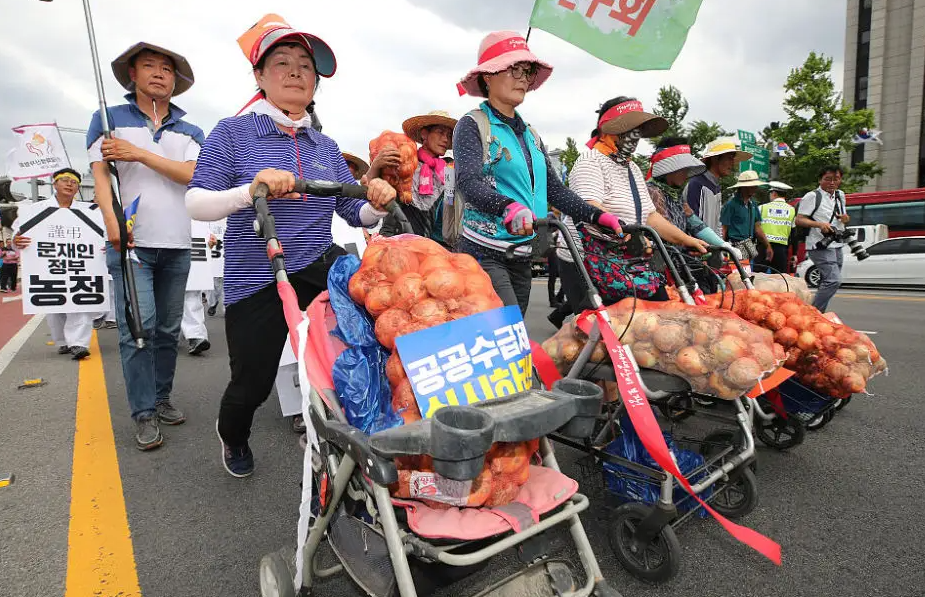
749 178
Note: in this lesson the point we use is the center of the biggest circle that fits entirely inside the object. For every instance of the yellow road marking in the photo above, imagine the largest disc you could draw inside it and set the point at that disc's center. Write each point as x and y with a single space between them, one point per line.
882 297
100 558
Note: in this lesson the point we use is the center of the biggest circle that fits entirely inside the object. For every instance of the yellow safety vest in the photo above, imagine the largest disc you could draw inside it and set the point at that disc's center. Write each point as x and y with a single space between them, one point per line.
777 221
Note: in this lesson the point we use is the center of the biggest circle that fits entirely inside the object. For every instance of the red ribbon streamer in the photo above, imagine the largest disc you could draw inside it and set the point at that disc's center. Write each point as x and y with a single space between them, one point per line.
544 366
650 434
618 110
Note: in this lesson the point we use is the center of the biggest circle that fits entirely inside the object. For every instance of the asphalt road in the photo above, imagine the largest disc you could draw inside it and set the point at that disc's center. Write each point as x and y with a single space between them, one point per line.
845 506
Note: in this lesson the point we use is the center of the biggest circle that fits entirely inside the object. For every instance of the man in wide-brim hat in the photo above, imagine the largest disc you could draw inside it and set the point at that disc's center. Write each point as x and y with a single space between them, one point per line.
703 193
741 217
155 151
358 166
432 180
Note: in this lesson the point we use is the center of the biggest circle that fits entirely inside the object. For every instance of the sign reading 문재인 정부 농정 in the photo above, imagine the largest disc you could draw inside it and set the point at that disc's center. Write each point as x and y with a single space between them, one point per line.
477 358
64 267
200 268
217 233
39 151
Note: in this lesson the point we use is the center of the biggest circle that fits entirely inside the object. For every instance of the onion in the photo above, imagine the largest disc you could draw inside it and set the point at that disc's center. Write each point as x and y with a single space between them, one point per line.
789 309
823 329
797 322
807 341
846 356
764 355
786 336
645 355
721 389
863 352
599 354
794 356
478 283
389 325
835 370
743 373
570 350
756 312
669 338
408 290
428 310
379 299
645 324
830 345
465 262
775 320
394 369
434 262
445 284
395 261
690 362
728 349
780 353
853 383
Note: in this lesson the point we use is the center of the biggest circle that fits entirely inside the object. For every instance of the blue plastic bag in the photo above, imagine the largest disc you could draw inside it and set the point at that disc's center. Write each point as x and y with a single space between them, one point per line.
359 372
636 487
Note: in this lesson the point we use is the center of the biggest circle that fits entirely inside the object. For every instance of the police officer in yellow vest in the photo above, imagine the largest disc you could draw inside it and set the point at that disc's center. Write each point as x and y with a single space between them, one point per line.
777 217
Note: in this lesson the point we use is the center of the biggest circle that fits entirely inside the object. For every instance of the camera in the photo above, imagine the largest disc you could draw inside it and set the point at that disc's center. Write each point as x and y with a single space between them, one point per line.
847 237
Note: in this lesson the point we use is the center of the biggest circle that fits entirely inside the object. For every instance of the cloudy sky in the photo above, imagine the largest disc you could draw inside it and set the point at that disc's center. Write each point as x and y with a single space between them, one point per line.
398 58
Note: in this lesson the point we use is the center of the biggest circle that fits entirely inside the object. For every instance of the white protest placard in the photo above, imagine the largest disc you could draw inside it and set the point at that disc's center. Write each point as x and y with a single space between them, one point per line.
39 151
200 268
218 251
64 267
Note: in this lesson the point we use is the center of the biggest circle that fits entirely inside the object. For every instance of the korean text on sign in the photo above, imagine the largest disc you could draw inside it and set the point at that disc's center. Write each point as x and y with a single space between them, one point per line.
481 357
64 268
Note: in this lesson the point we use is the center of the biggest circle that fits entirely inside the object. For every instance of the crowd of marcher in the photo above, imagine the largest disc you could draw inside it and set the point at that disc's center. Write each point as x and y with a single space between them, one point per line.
485 201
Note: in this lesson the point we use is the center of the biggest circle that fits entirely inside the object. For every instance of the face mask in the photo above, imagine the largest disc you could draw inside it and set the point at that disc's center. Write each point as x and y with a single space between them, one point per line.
278 116
626 147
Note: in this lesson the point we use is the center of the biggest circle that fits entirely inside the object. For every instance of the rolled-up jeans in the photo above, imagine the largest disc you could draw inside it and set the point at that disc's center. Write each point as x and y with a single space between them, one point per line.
829 263
160 279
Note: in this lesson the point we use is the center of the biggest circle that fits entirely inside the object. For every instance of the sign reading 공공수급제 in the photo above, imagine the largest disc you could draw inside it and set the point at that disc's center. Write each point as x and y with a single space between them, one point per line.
634 34
64 267
480 357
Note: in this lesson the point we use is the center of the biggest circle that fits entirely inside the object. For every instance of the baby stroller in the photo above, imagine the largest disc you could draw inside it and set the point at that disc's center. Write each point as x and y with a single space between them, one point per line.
404 547
642 534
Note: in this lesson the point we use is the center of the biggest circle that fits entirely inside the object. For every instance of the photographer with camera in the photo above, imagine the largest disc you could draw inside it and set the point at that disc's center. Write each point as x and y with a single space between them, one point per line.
823 213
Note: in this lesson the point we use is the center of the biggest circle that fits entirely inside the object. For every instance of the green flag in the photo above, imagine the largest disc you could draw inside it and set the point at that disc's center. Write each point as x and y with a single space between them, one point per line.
634 34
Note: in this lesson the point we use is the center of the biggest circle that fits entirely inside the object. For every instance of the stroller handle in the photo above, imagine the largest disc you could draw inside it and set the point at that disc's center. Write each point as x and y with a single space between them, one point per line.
746 277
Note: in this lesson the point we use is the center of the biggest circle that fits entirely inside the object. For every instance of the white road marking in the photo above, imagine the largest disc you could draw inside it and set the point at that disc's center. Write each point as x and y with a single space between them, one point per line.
10 299
866 332
8 352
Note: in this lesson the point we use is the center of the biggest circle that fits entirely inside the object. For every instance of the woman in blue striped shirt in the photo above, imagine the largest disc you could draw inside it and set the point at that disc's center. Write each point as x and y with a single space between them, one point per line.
272 144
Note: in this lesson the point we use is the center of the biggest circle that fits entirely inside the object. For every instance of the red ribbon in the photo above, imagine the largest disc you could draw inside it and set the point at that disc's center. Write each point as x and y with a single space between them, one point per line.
511 44
618 110
650 434
544 365
668 152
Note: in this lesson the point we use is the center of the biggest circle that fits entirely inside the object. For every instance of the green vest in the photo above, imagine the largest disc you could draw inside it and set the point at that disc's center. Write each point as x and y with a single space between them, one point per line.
777 221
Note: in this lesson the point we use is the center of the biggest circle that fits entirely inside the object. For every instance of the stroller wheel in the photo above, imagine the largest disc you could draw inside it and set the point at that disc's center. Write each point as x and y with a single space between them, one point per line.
820 420
842 403
656 562
738 496
780 434
717 441
276 576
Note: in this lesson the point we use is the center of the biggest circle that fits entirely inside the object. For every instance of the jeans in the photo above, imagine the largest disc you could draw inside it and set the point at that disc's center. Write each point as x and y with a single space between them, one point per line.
256 331
829 263
511 279
161 282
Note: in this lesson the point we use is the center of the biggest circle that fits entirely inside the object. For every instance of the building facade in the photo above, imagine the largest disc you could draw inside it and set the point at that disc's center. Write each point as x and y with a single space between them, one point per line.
885 71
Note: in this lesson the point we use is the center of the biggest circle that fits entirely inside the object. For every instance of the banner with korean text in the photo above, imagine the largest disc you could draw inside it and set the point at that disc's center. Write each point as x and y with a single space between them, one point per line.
64 267
200 267
39 151
634 34
480 357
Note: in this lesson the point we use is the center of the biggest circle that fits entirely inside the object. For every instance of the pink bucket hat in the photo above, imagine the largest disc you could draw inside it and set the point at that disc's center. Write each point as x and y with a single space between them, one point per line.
497 52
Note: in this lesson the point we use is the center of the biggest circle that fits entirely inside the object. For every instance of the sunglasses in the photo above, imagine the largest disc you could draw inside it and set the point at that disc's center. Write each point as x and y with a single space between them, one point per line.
519 72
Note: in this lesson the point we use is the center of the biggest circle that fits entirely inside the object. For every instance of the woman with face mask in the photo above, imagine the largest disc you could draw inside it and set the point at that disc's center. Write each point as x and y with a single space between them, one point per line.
606 176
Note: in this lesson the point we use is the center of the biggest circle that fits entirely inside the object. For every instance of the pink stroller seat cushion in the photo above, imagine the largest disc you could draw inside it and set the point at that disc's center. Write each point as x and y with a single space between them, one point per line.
545 490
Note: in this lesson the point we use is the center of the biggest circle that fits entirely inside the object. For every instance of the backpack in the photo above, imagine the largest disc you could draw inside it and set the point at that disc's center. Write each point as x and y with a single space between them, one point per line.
800 233
454 205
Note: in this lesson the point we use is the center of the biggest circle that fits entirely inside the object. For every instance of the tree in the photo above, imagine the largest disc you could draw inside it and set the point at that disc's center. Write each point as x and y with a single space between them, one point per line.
819 129
701 132
569 155
673 107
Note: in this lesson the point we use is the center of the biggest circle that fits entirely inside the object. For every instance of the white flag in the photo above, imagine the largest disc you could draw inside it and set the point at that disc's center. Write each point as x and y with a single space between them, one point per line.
867 136
39 151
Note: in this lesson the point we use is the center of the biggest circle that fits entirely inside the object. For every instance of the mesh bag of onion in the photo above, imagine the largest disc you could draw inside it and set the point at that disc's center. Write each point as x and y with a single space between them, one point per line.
408 283
827 357
714 350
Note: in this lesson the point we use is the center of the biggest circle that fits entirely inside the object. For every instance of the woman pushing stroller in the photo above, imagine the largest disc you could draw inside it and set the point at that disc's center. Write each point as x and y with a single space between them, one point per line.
261 147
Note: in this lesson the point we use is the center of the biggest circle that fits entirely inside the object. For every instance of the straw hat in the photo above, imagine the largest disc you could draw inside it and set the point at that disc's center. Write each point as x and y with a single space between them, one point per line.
412 127
724 145
272 29
749 178
497 52
183 72
361 165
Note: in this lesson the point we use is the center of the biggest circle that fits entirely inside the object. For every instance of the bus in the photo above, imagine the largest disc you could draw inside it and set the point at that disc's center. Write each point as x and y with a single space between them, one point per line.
903 212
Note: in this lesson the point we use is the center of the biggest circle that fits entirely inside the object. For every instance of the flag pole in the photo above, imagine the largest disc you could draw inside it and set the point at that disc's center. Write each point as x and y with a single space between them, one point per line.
529 29
69 164
132 311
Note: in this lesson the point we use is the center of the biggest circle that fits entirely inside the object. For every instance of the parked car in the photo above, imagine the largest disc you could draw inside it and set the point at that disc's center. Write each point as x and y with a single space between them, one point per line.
892 262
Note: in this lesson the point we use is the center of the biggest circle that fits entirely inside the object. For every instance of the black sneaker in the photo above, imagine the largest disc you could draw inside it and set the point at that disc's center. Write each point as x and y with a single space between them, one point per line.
168 414
64 350
110 325
211 311
298 424
239 462
199 346
78 353
98 323
148 433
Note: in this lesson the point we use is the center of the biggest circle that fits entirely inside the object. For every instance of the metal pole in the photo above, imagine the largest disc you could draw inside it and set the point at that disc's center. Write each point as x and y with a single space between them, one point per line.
529 30
69 164
133 314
